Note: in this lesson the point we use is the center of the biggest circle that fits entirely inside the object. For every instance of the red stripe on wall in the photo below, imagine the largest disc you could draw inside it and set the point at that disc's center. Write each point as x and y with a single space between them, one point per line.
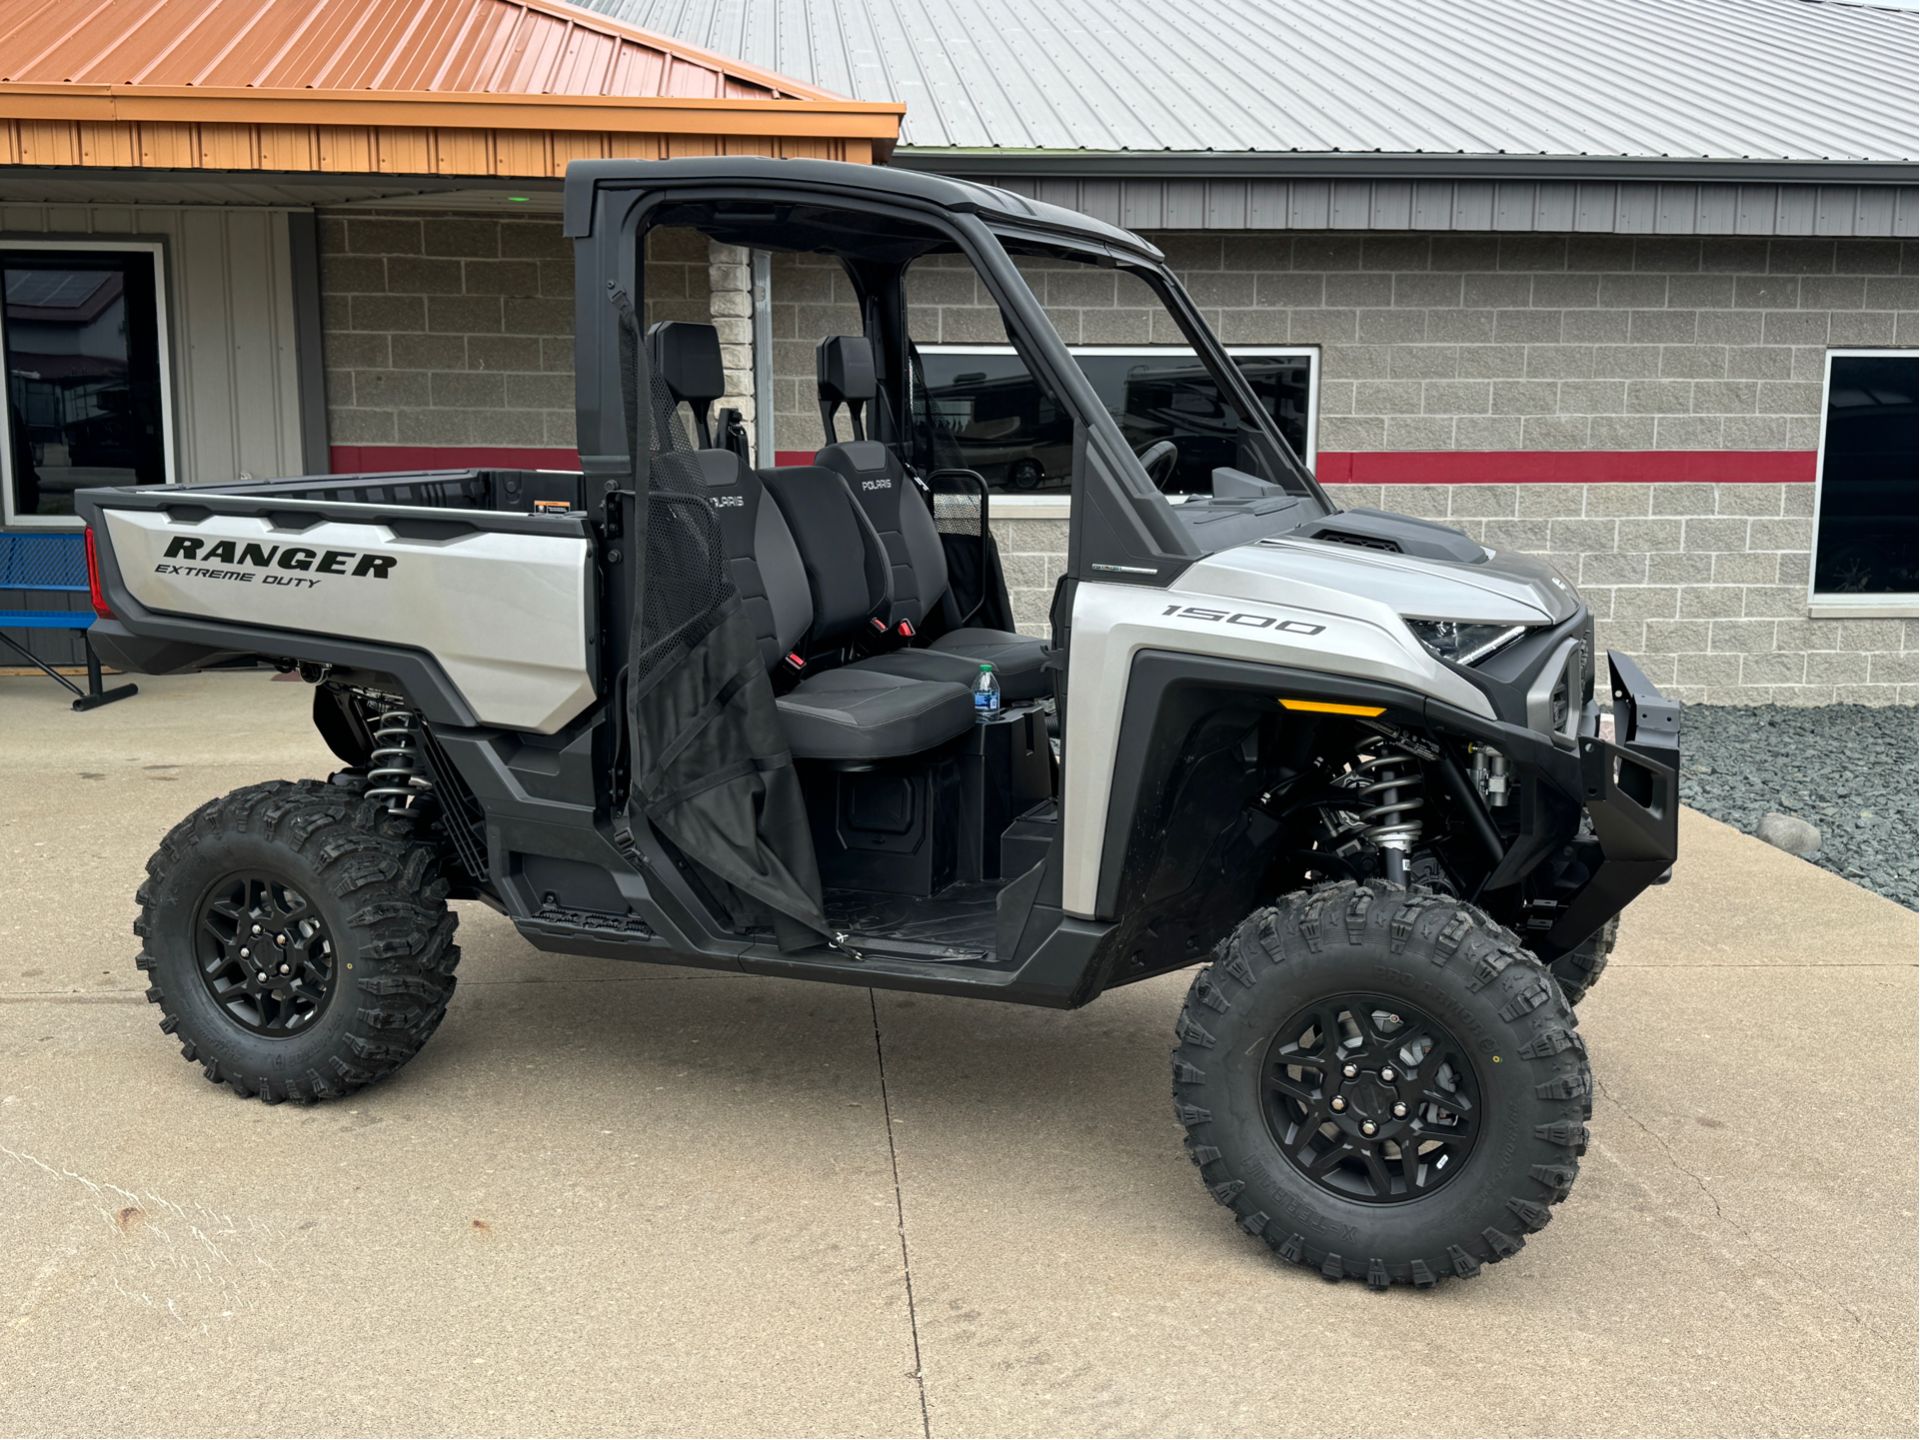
350 459
1566 467
1337 467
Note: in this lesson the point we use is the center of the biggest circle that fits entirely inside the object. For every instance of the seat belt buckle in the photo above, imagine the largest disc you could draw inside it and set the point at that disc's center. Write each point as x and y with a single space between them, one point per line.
904 629
879 625
794 661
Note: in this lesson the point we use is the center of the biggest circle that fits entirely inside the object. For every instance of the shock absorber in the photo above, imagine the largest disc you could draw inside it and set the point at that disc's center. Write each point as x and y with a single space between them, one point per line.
1390 790
396 773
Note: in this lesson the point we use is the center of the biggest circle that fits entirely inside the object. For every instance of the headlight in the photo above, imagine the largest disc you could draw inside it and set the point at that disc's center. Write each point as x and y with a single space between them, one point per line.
1462 641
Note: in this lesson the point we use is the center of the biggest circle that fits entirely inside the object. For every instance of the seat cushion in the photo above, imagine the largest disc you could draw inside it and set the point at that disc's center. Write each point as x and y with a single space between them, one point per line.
1019 660
859 714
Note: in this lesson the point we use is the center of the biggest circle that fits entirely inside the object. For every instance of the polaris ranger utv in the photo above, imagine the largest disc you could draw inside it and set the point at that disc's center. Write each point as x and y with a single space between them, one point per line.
677 708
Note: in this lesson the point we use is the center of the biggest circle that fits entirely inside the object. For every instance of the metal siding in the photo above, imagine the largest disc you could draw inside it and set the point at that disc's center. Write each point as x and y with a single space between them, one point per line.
1788 79
236 402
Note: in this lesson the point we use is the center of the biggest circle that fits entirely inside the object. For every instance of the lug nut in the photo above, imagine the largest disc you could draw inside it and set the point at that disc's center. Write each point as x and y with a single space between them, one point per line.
279 939
1387 1074
1349 1071
263 978
1399 1110
1338 1103
256 929
286 969
1367 1127
245 953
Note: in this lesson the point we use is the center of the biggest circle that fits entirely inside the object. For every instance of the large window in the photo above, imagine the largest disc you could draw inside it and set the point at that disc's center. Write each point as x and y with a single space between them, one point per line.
1866 546
82 336
992 417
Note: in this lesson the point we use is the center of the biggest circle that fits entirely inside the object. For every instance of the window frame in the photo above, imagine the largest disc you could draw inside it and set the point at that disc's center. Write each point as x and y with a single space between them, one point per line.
155 250
1054 507
1835 605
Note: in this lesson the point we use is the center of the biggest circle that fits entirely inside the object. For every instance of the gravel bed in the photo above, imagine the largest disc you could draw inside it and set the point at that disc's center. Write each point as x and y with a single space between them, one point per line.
1849 769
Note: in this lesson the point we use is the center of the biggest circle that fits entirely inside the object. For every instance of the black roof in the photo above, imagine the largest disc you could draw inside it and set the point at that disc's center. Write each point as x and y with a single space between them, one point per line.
822 179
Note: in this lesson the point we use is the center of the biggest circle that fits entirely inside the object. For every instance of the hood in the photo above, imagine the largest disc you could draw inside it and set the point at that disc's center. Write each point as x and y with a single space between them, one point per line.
1502 589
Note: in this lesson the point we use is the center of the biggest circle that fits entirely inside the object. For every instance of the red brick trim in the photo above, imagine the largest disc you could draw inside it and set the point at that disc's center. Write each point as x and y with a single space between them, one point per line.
1565 467
1337 467
351 459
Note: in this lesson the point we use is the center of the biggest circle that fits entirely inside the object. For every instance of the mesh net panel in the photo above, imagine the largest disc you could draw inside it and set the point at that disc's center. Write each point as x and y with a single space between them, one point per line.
686 579
958 506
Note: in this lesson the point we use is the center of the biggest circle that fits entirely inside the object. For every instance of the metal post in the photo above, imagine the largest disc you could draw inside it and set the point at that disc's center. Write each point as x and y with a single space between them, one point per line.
763 453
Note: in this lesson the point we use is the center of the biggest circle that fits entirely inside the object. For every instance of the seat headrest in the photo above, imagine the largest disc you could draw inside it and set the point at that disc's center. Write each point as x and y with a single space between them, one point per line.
844 367
685 357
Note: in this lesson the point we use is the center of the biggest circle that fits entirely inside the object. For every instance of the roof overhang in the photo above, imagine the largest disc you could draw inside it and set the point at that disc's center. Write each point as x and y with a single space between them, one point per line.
1298 165
415 133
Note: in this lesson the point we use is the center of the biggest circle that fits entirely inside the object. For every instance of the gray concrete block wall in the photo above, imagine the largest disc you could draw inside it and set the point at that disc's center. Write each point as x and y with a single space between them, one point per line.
1428 342
458 329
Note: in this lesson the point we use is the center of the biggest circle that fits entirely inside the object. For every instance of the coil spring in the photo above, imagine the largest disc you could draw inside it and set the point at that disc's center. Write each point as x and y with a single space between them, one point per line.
1390 789
396 774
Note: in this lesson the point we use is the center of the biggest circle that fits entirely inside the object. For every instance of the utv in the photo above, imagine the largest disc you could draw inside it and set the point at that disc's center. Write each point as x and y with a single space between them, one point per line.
677 708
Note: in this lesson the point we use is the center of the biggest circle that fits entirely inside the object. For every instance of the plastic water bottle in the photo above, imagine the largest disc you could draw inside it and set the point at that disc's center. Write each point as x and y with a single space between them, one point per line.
986 695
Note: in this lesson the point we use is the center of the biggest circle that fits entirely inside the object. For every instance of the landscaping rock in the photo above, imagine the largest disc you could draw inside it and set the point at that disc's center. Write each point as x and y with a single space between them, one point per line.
1788 833
1851 772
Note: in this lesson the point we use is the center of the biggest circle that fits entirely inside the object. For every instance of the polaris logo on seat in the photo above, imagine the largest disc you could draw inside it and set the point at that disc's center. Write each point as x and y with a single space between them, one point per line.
885 483
728 502
281 557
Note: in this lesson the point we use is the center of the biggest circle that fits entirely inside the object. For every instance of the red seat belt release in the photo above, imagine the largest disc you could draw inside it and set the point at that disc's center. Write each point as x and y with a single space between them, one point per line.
879 625
795 660
905 628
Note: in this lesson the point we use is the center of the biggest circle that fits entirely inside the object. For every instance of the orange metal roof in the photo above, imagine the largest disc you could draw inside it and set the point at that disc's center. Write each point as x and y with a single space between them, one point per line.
487 47
444 87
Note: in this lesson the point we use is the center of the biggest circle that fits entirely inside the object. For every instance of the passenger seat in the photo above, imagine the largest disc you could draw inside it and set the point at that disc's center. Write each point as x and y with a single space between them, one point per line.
845 714
900 517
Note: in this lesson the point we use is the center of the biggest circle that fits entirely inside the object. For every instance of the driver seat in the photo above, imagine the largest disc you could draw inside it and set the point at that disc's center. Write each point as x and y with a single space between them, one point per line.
894 506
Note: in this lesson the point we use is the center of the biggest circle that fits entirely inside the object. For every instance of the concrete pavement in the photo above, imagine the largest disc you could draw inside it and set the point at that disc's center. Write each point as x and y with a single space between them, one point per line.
621 1199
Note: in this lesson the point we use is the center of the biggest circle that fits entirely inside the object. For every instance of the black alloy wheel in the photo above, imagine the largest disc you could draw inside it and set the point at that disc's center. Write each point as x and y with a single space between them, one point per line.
264 954
1370 1099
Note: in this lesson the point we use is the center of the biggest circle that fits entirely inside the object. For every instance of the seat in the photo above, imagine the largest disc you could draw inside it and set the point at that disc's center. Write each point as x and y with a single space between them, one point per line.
891 501
855 713
839 714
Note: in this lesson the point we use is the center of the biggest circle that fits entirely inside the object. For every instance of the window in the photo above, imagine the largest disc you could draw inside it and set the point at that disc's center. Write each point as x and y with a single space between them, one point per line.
1866 539
993 418
82 336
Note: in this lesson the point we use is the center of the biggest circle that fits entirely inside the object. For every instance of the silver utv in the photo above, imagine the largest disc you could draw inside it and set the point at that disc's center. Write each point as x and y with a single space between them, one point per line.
686 704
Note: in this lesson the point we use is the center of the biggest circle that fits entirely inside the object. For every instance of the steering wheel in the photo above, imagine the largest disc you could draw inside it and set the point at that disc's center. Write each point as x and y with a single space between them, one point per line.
1160 458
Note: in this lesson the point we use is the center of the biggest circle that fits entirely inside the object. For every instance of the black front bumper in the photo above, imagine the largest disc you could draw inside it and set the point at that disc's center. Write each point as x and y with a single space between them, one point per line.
1630 781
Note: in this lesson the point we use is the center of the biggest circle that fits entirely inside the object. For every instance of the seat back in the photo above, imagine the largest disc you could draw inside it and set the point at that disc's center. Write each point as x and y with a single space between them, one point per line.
845 563
763 561
888 495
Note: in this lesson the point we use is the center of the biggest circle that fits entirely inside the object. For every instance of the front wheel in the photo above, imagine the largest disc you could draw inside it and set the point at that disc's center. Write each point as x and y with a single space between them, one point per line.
1381 1085
296 949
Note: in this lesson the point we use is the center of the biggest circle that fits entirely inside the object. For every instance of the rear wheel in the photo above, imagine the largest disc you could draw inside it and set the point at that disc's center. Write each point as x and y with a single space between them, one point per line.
1381 1085
295 949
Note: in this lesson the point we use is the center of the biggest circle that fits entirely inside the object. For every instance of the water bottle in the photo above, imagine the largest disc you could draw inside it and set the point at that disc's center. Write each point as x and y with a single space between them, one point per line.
986 695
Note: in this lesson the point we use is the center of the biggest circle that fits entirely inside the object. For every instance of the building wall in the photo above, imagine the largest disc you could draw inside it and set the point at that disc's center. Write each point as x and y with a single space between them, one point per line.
233 349
457 330
1530 346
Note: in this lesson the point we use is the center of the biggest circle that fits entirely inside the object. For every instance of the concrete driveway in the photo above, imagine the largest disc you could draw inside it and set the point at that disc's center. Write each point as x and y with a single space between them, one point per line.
611 1198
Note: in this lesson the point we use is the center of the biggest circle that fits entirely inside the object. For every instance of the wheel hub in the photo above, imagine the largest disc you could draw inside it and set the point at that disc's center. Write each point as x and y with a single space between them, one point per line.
1370 1099
264 954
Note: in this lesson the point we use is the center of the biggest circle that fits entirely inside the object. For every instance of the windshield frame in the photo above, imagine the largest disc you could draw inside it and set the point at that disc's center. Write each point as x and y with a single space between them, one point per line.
1294 475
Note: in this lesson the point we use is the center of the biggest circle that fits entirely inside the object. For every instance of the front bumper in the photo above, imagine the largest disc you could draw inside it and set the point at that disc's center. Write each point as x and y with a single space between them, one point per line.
1630 780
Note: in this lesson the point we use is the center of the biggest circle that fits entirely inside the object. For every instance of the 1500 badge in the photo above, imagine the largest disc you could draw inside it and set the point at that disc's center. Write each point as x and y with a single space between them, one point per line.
1246 619
271 560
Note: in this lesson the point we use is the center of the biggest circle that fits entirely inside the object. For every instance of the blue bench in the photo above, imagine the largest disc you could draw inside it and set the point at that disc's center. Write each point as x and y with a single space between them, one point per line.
53 564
